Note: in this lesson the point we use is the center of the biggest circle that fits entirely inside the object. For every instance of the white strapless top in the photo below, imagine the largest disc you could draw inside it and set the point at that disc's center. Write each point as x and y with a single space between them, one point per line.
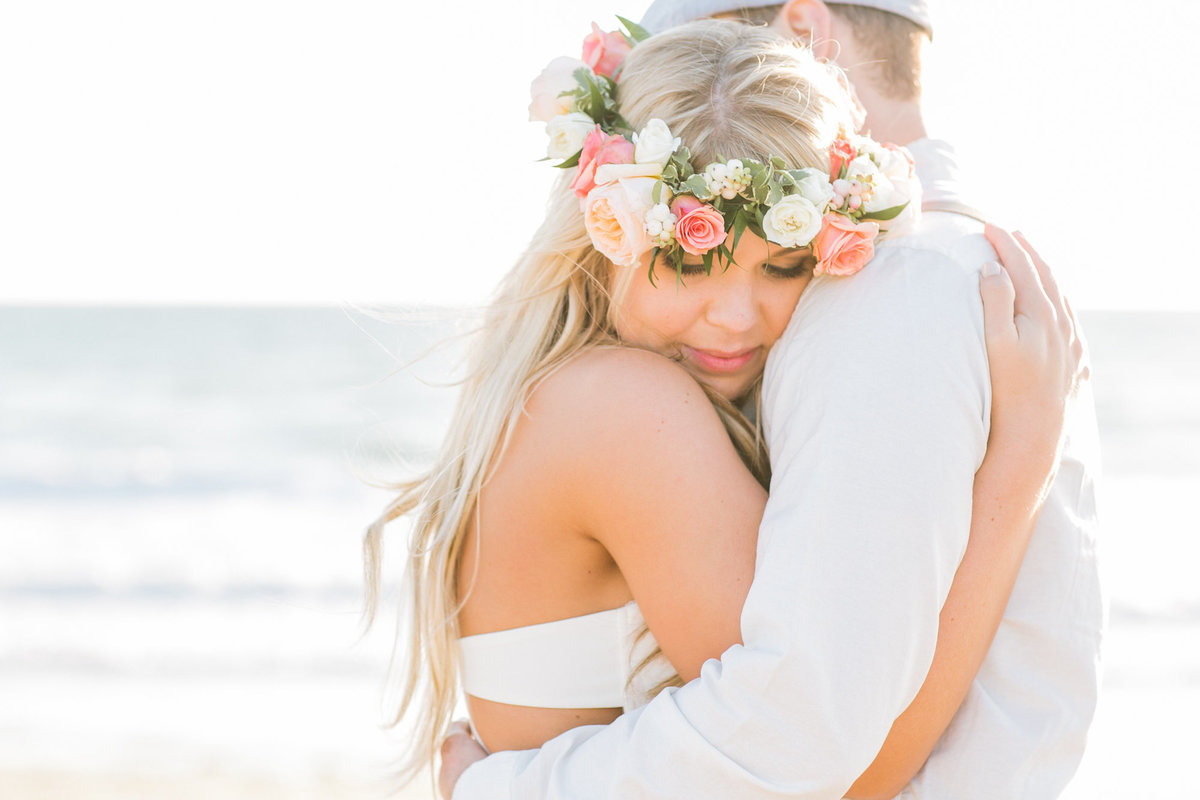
580 662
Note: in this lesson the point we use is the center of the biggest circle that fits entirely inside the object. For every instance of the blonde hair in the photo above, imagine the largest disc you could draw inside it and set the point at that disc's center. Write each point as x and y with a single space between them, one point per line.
725 89
893 42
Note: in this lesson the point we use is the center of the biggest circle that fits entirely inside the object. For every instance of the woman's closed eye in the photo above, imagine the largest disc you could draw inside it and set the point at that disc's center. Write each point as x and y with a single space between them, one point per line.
785 266
790 267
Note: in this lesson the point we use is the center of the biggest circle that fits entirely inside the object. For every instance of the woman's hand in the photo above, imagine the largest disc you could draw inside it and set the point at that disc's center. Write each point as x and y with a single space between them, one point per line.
1037 362
1036 354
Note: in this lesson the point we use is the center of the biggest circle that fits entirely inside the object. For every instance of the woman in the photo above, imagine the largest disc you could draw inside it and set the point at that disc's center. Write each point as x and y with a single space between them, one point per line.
582 473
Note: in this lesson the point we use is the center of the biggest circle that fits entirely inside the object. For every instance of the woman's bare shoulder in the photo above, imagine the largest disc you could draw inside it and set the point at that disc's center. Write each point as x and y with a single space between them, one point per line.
613 421
619 389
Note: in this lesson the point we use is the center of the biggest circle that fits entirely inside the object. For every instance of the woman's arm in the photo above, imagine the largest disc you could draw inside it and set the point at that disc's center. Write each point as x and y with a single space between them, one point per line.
666 494
1035 360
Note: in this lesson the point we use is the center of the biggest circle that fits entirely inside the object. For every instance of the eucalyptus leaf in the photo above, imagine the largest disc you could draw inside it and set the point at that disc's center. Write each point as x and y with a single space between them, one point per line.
656 195
775 195
778 163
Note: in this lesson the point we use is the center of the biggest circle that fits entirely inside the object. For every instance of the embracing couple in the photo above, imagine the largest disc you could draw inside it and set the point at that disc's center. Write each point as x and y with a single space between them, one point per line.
767 479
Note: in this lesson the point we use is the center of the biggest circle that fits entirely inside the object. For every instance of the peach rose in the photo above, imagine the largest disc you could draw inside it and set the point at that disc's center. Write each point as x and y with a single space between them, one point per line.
841 152
604 52
843 247
700 227
598 149
615 217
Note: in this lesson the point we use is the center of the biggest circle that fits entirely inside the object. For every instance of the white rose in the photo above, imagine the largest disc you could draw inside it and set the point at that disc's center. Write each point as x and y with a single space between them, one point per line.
567 132
903 190
884 195
607 173
792 222
556 78
814 186
654 144
894 164
861 167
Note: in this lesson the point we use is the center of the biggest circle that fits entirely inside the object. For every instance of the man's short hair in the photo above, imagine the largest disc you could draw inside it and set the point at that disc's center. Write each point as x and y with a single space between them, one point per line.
892 42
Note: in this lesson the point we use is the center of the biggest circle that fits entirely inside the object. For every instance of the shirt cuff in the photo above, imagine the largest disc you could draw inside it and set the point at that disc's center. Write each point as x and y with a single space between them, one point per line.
492 778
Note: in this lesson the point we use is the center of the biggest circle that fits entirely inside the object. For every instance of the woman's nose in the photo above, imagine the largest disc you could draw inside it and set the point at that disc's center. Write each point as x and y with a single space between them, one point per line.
733 306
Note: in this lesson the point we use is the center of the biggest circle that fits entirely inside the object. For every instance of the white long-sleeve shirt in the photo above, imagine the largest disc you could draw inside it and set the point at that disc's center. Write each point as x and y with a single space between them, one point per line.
876 403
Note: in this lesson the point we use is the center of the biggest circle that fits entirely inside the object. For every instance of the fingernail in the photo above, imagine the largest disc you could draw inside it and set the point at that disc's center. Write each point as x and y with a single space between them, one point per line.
991 269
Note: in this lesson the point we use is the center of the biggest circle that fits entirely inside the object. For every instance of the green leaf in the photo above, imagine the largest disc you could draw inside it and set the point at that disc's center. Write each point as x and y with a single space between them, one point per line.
760 193
775 195
887 213
650 271
637 32
670 173
573 161
778 163
598 106
707 259
739 225
656 193
697 186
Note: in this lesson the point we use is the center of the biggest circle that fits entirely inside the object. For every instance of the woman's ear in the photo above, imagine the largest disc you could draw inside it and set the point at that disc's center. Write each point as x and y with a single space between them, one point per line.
808 21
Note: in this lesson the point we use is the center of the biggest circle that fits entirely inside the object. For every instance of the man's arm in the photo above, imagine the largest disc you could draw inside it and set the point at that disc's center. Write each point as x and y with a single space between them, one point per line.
876 407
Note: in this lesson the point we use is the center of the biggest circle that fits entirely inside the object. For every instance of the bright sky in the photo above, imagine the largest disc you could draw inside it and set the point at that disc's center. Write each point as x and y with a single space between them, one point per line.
272 151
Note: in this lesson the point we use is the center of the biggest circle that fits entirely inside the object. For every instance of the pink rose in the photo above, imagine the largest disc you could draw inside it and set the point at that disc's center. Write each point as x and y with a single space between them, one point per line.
841 152
843 247
615 218
598 149
546 100
604 52
700 227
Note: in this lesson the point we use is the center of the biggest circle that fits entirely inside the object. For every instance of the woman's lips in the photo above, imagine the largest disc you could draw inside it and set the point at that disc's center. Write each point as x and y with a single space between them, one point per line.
719 362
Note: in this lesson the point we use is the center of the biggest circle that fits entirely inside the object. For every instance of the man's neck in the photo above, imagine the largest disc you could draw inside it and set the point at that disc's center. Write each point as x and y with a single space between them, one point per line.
889 120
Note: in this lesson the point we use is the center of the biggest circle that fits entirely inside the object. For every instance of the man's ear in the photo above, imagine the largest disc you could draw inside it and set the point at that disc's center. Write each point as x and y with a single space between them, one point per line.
809 21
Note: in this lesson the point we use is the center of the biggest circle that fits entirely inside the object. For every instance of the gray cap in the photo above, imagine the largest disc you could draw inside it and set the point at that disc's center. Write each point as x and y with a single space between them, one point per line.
664 14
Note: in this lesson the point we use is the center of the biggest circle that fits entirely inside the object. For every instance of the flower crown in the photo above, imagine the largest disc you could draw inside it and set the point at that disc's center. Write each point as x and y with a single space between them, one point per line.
639 192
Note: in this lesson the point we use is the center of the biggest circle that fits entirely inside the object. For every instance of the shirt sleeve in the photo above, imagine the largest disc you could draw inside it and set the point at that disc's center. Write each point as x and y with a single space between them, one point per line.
875 403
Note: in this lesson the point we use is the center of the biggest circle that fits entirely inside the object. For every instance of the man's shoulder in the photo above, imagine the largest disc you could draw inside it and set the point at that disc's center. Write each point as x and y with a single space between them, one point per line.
944 239
930 272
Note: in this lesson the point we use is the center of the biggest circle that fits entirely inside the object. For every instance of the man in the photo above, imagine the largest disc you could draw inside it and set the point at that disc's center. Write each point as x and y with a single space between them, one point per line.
866 523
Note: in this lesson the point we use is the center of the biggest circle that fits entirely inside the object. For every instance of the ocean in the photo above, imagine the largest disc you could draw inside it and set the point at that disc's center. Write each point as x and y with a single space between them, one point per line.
183 493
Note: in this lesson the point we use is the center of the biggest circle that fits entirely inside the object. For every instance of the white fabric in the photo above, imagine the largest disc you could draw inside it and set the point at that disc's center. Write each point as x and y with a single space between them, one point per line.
665 14
876 404
589 661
